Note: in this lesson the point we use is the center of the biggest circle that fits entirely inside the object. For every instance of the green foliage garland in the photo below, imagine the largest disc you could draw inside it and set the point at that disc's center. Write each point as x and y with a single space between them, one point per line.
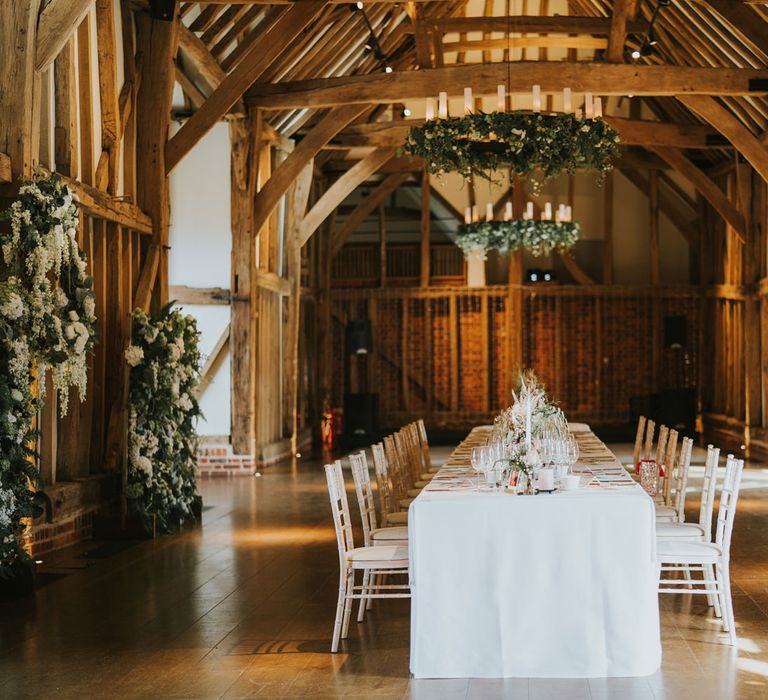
47 322
165 370
539 237
523 142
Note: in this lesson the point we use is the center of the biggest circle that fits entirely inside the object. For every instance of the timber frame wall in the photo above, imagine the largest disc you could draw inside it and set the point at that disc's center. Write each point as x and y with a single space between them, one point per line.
299 70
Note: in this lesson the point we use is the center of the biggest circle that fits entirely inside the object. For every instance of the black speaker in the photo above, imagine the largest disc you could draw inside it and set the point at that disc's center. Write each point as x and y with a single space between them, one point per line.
675 332
162 9
359 337
361 414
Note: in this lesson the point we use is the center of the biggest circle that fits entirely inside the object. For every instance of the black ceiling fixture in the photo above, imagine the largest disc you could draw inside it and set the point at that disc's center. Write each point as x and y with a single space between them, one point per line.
650 40
163 10
373 41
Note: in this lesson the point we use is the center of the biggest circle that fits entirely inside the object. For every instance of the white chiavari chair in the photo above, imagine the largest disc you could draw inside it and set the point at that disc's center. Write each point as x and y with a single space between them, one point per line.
661 452
373 535
677 477
396 475
428 465
709 557
373 561
390 512
421 475
650 429
669 465
701 531
403 464
638 447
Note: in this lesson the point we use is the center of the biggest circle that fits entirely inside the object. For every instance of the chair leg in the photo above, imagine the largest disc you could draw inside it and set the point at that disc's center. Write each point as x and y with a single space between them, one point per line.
709 573
728 603
375 581
687 577
339 613
367 577
348 603
722 598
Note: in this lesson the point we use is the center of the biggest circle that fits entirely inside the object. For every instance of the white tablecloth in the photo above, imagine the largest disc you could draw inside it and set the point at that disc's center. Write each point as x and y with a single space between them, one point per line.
556 585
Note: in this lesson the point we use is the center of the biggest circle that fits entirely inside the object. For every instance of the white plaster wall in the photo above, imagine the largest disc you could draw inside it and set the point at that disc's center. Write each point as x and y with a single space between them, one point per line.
201 242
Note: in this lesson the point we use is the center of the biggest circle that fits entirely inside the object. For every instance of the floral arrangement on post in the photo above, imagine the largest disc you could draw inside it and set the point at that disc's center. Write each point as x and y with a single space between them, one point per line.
479 143
47 322
165 370
539 237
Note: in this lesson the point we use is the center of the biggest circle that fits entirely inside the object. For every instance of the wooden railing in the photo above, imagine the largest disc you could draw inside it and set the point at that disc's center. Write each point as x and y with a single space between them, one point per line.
360 266
452 354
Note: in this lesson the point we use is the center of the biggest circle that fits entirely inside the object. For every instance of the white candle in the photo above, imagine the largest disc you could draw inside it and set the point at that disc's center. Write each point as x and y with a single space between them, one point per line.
468 103
489 212
589 107
548 211
598 107
578 114
528 422
430 109
442 105
475 214
537 98
501 98
468 215
561 212
569 213
529 210
508 212
567 107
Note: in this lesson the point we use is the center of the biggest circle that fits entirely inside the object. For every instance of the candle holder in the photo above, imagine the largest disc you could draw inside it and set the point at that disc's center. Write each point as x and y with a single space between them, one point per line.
538 237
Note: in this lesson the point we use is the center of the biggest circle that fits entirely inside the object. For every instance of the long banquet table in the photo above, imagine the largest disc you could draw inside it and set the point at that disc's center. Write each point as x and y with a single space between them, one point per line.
559 585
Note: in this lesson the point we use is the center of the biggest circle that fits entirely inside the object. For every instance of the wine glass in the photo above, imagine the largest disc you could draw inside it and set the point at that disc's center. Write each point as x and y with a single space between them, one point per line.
477 460
572 452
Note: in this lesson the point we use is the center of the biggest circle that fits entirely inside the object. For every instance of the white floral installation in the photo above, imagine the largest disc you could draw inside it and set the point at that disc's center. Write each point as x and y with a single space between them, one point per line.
538 237
47 322
165 370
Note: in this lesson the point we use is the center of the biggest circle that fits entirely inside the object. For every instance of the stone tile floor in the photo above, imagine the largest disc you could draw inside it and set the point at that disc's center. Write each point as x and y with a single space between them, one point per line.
243 607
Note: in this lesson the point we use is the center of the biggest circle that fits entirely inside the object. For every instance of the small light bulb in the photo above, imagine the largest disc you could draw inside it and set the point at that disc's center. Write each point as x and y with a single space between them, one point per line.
359 5
387 69
635 54
406 112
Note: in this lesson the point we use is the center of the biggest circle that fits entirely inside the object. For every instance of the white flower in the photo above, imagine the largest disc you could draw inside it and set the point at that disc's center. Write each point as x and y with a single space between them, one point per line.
185 403
13 307
16 395
89 306
134 355
73 316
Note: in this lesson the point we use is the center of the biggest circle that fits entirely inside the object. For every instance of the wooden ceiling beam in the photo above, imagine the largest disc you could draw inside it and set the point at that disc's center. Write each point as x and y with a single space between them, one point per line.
598 78
259 57
533 24
365 208
727 124
745 20
523 42
706 187
56 24
280 180
633 132
340 190
623 11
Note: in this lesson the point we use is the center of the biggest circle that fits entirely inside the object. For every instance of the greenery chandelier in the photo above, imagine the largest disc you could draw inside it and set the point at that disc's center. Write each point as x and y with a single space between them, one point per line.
539 237
478 143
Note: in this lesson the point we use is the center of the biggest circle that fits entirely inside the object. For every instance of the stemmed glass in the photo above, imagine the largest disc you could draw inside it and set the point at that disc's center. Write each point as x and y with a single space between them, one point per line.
572 452
478 459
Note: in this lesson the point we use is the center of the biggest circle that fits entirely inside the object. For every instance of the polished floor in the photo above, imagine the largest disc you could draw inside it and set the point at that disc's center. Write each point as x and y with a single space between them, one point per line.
243 607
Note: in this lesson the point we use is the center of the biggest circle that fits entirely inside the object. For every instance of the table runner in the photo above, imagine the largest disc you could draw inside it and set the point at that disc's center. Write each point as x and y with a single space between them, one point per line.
556 585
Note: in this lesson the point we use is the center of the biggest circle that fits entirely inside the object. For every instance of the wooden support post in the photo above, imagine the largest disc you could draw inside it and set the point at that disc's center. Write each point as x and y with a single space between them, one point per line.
20 120
65 111
156 40
85 101
425 226
382 247
653 211
244 137
295 205
608 229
